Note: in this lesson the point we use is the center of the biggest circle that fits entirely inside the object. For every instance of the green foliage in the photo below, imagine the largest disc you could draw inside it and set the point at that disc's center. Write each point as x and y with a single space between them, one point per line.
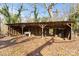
11 18
74 16
4 11
35 13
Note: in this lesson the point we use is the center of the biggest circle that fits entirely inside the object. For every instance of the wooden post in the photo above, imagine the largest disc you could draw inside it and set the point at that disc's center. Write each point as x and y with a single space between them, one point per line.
12 32
8 30
22 27
42 27
42 31
70 31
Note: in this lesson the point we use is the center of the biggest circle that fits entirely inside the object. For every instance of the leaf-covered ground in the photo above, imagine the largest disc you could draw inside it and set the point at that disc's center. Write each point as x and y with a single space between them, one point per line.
35 46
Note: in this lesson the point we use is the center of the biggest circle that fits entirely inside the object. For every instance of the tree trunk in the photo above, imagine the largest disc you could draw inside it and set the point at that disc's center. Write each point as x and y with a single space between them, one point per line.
50 13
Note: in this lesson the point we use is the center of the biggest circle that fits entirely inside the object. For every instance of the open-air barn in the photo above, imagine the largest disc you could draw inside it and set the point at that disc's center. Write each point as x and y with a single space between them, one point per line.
60 28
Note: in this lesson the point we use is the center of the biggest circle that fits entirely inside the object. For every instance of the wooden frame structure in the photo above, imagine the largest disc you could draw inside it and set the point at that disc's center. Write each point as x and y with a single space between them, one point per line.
41 28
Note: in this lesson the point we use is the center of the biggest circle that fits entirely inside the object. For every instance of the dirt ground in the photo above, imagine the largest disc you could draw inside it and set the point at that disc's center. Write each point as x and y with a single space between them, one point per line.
37 46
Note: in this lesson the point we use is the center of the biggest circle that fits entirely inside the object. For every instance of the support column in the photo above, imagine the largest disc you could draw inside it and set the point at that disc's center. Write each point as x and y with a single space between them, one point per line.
70 31
8 30
12 32
42 28
42 31
22 28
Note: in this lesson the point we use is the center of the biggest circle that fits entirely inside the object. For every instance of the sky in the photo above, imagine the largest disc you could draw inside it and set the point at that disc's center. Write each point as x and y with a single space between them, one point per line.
42 11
